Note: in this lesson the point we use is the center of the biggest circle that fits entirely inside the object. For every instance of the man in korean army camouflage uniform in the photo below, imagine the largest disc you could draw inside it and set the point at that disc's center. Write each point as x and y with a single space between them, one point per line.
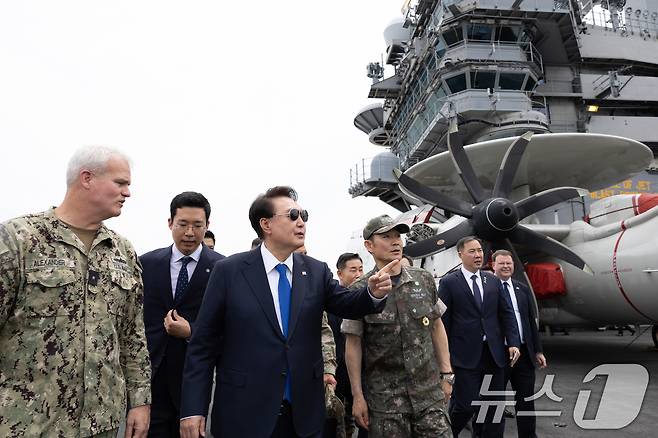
72 344
406 363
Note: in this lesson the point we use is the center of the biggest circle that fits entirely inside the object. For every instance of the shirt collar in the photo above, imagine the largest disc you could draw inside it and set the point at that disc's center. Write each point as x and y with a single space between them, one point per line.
405 277
176 255
509 283
270 261
59 230
468 274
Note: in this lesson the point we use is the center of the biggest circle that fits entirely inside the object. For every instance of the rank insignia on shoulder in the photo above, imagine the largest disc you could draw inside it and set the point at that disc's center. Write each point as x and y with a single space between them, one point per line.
426 321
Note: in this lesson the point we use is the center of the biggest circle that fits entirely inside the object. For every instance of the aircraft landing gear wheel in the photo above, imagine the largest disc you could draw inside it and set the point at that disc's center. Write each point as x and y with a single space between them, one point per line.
654 335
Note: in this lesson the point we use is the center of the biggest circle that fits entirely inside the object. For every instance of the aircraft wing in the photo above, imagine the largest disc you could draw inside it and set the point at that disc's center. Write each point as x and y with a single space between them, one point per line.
554 231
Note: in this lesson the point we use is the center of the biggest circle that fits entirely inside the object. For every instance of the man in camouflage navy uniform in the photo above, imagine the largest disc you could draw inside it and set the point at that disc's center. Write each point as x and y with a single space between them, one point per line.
72 344
406 363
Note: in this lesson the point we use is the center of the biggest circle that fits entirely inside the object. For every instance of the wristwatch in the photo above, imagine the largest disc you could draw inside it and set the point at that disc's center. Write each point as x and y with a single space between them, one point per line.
448 377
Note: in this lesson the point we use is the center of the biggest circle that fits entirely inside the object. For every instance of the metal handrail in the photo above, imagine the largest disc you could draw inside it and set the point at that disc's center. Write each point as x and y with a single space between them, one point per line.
624 24
414 93
362 171
575 14
534 56
408 145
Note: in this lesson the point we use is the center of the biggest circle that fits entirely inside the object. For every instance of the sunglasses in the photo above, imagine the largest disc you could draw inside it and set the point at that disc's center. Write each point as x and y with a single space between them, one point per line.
294 214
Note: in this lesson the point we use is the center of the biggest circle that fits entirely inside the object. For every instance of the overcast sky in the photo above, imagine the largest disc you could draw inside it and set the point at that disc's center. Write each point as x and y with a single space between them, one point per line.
224 98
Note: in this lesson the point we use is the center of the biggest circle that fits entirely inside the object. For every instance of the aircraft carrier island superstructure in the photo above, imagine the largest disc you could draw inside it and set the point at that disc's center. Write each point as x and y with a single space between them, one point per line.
500 68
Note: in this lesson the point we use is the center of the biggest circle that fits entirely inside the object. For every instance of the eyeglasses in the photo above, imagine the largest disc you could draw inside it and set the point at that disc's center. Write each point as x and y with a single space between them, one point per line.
294 214
185 226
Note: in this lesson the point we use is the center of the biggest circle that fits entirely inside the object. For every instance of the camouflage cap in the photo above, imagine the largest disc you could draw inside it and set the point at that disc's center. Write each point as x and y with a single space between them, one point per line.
382 224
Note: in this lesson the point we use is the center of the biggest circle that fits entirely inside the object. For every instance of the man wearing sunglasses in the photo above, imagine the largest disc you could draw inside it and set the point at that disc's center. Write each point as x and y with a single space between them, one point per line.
260 323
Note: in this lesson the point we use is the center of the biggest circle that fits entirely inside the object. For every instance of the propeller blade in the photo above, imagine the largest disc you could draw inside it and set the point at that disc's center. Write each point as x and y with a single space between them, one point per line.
533 240
413 188
439 242
463 164
539 201
510 165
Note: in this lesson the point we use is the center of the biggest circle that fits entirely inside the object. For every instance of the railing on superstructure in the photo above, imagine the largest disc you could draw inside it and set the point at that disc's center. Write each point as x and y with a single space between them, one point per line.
637 22
515 5
427 72
427 92
371 170
421 15
437 112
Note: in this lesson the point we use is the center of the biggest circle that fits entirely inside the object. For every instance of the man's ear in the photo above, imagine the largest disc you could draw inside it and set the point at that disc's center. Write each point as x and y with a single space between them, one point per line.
265 225
85 177
368 244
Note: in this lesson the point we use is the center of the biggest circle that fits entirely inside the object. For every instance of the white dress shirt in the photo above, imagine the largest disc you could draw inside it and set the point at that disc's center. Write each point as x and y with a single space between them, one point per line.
515 304
175 264
271 263
467 275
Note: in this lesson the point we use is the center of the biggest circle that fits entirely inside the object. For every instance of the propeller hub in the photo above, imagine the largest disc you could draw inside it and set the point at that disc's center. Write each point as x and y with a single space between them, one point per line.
495 217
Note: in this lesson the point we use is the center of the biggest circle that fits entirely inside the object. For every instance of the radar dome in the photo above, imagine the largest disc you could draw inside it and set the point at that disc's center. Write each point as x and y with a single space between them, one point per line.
382 165
395 33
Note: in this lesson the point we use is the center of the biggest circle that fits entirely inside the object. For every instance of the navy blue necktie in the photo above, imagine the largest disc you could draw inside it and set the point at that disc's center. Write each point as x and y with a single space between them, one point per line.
476 291
507 292
183 280
284 306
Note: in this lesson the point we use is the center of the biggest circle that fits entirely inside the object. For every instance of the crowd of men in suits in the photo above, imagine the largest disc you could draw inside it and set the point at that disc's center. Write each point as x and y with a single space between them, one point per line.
413 361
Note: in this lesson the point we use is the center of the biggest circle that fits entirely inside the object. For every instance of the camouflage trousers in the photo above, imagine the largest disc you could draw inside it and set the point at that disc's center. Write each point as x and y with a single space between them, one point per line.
107 434
433 422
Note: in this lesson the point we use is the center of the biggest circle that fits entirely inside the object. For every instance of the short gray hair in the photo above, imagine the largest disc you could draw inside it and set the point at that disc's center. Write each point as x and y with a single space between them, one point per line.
92 158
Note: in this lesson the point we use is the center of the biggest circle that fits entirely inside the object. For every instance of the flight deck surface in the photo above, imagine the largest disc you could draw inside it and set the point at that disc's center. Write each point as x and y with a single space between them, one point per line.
570 359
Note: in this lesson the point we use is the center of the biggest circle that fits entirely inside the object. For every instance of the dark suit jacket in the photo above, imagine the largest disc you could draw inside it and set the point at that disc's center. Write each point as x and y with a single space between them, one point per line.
255 356
465 323
528 318
158 300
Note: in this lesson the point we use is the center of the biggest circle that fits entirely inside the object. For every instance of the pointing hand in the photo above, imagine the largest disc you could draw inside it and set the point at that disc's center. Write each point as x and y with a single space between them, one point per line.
380 284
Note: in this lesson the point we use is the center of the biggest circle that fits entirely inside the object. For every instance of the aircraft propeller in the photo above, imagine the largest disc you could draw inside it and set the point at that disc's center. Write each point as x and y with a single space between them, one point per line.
492 217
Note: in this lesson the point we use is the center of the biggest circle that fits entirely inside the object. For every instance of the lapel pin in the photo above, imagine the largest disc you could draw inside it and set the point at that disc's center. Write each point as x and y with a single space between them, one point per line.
303 272
207 269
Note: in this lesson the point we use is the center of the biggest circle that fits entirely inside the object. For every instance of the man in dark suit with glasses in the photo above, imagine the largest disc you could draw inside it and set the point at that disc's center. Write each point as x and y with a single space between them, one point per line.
175 279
